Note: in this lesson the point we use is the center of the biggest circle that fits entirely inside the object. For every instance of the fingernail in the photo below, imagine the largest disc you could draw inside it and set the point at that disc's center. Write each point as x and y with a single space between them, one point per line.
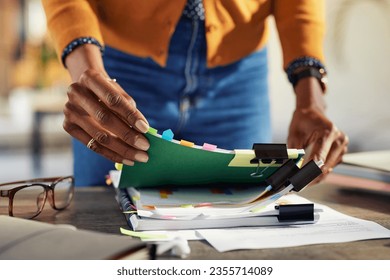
142 126
142 144
128 162
141 157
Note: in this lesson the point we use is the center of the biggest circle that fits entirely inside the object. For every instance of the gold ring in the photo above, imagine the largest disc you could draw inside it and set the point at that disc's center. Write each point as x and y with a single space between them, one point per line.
90 143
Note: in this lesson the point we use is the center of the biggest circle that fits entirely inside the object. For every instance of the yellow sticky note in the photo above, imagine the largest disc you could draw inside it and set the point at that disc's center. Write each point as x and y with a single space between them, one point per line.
255 210
186 206
143 235
243 158
186 143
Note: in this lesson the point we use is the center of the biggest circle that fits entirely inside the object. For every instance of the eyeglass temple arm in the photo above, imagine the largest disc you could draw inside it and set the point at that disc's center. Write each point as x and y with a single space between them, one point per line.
37 180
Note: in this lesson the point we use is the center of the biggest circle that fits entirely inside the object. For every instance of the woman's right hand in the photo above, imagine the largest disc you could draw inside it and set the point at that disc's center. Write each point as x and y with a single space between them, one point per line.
99 109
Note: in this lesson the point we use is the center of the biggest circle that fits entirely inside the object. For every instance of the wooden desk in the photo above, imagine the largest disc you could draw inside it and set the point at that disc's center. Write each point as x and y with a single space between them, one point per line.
96 209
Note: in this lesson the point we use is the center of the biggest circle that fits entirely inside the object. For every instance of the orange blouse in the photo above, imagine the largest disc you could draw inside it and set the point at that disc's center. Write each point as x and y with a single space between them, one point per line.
234 28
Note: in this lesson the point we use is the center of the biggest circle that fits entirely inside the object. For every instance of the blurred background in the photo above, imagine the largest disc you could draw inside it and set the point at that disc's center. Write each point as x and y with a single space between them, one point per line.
33 85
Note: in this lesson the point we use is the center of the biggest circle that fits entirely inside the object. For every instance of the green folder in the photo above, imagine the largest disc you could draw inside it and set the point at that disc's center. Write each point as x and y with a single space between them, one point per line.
173 164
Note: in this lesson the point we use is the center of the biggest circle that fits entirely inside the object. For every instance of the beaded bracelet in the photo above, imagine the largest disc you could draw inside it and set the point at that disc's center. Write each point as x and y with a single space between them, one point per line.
78 42
305 61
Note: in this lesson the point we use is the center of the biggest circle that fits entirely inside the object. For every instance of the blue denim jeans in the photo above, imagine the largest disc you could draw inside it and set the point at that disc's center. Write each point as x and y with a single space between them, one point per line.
227 106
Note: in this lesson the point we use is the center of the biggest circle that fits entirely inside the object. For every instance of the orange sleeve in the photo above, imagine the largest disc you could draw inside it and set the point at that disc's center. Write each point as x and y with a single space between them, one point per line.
301 28
70 19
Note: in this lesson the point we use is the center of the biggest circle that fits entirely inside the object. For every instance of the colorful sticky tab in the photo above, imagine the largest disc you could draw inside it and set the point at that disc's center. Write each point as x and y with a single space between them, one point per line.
186 206
130 212
108 180
242 158
276 196
167 135
255 210
209 147
143 235
118 166
166 217
149 207
186 143
152 130
204 204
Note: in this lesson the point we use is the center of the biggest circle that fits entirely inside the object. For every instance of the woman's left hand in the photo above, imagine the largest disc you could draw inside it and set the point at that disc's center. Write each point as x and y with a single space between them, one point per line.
311 129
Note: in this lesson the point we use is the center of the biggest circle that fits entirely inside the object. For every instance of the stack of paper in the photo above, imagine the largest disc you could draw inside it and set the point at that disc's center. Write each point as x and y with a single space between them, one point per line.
199 191
329 226
208 208
188 186
332 227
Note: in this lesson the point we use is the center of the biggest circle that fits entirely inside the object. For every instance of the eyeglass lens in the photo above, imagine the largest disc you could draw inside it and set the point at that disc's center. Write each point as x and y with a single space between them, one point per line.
28 201
63 193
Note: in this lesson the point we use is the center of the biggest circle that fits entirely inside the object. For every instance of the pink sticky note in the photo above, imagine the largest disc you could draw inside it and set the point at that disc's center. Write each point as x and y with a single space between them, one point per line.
209 147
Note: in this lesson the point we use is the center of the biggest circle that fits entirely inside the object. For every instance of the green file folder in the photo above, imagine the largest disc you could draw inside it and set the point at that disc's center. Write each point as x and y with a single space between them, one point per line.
173 164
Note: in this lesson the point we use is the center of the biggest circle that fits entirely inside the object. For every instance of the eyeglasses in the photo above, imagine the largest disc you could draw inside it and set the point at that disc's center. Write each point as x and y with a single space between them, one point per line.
26 199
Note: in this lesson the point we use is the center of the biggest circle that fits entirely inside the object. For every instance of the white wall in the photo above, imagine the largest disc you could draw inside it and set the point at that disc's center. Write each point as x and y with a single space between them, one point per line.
358 63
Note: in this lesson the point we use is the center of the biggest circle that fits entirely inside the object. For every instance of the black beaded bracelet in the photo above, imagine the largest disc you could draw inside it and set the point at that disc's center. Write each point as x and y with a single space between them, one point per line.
79 42
305 61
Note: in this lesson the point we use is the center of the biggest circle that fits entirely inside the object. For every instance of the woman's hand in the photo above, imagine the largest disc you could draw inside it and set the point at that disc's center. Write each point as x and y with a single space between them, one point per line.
313 131
310 128
100 114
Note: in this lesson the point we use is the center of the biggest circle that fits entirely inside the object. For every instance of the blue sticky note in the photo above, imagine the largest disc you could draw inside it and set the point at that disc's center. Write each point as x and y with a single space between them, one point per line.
167 135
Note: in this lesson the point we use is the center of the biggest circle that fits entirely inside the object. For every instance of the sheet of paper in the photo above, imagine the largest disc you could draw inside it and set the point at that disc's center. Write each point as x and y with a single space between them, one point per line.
188 195
260 208
372 159
332 227
162 235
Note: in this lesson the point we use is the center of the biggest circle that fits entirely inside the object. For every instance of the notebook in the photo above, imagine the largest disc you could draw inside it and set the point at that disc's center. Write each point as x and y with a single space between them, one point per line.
22 239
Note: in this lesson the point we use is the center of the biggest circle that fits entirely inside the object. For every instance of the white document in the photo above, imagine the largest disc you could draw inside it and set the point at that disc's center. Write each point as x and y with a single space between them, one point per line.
332 227
373 159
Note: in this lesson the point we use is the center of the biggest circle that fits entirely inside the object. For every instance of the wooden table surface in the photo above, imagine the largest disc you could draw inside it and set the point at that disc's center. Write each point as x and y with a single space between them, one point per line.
95 208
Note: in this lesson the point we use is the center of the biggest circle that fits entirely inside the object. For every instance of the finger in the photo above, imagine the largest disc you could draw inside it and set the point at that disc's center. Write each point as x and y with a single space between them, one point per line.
115 98
84 137
322 144
102 136
307 145
295 140
338 149
105 118
110 141
335 156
